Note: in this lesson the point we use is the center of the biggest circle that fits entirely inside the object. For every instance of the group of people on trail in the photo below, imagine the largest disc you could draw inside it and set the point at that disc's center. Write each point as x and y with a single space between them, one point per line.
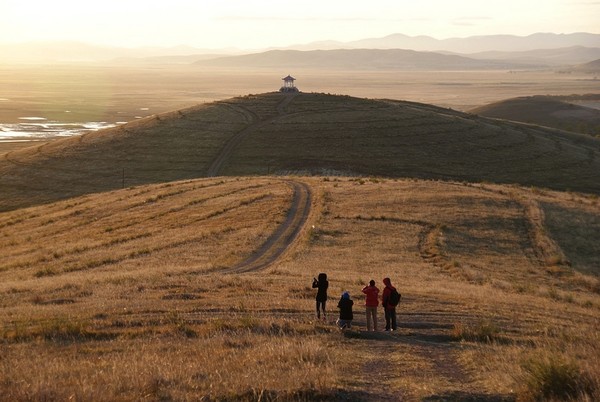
389 300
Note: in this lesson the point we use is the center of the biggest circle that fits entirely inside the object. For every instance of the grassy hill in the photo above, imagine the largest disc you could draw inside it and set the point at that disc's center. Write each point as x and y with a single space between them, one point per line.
310 133
124 295
130 272
546 111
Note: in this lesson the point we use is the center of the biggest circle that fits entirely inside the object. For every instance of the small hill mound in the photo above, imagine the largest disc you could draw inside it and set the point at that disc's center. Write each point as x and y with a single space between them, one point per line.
546 111
591 67
307 133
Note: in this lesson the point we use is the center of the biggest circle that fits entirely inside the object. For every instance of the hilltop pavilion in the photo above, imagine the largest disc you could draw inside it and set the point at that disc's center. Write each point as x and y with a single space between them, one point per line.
288 85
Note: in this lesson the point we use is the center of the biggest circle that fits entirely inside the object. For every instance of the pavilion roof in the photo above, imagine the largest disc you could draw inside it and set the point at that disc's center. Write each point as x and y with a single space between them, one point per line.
289 78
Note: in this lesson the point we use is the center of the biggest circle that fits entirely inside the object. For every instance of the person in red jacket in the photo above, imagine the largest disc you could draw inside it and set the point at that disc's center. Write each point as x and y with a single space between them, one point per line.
390 310
371 304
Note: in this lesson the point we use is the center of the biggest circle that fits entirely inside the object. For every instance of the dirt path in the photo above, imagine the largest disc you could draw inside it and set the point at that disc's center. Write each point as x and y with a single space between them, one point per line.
285 234
381 374
288 231
418 361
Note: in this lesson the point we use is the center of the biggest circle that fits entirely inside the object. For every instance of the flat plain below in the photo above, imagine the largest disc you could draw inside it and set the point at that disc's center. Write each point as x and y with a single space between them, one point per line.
121 92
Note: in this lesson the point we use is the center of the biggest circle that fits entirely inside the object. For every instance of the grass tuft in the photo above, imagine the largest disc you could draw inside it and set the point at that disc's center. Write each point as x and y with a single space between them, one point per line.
47 271
63 329
553 377
59 329
484 331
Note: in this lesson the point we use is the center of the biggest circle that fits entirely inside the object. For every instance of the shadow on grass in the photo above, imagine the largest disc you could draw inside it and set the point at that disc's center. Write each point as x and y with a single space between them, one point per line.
399 337
468 397
307 395
433 339
425 325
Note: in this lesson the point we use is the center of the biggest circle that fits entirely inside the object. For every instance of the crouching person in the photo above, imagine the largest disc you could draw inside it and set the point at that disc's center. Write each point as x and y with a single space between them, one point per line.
345 306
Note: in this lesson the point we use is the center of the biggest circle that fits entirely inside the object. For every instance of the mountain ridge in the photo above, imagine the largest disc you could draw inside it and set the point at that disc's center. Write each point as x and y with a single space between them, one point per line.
553 57
57 51
349 59
471 44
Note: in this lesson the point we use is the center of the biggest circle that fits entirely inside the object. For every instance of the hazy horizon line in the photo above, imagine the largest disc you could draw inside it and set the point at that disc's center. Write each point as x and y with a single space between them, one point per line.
236 48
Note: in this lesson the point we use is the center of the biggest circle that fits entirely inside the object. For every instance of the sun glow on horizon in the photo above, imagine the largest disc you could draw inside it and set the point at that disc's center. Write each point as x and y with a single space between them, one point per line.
259 24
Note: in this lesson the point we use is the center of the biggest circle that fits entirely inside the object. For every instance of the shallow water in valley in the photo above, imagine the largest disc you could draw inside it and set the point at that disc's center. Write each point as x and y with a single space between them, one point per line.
34 128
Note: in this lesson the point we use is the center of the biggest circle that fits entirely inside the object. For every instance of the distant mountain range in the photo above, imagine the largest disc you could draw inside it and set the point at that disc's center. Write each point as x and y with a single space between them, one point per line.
551 57
71 51
492 51
359 59
473 44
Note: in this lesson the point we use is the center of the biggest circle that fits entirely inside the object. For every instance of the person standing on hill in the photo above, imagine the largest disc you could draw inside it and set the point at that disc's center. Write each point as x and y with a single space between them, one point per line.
371 303
390 299
321 285
346 316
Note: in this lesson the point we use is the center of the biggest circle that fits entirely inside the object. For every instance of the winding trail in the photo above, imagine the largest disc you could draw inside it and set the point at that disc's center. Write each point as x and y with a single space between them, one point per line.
283 237
223 156
280 240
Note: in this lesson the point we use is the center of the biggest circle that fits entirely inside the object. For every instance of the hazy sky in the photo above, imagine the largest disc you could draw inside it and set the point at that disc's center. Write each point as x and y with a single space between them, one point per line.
256 24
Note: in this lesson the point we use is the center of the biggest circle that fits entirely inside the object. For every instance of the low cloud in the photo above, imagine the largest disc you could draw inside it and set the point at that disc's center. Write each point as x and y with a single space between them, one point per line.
470 21
305 19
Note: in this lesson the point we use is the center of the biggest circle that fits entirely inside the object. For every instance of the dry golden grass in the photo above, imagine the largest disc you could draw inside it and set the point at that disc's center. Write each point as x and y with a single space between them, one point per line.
118 296
6 147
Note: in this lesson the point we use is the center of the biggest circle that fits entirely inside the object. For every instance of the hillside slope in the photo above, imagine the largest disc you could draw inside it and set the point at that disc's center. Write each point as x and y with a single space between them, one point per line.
545 111
127 295
310 133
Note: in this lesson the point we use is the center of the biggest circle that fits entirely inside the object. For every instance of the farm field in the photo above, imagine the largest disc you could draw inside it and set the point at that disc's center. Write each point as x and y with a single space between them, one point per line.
123 295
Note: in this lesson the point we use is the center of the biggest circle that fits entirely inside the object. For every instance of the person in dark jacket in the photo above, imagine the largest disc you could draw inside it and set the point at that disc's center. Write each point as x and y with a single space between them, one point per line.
346 316
390 311
321 285
372 301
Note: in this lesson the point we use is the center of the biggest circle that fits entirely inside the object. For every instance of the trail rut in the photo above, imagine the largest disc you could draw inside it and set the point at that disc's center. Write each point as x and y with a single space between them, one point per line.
284 236
288 231
223 156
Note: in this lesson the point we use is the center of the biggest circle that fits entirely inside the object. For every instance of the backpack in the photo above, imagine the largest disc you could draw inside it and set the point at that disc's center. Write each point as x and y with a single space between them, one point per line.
394 298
